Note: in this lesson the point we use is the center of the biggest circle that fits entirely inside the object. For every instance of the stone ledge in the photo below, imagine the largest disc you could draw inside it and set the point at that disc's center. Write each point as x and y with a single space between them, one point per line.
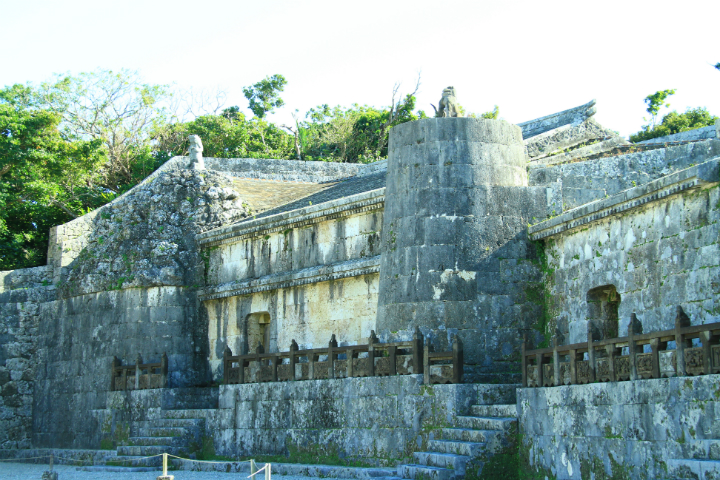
700 175
323 273
362 202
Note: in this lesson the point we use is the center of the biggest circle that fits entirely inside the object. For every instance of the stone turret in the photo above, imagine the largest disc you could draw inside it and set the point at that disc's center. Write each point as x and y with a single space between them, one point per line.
457 207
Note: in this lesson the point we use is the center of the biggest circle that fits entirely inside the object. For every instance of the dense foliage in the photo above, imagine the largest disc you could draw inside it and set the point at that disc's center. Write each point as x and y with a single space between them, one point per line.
673 122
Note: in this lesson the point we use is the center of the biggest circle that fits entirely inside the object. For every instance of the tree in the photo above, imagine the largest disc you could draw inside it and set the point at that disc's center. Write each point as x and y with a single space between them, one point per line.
264 96
656 101
44 180
675 122
717 66
494 114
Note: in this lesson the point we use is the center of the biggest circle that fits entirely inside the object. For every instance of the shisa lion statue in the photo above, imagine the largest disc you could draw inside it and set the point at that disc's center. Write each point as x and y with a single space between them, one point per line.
448 104
196 149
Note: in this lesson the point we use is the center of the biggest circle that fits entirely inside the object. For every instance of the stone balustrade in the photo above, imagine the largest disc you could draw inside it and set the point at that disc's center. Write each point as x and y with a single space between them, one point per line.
140 376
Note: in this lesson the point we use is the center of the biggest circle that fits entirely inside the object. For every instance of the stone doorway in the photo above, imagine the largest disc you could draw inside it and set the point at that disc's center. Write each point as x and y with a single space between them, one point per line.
603 305
258 331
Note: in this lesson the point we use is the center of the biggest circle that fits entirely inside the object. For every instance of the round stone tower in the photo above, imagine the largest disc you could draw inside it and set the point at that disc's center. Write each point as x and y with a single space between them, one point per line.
456 206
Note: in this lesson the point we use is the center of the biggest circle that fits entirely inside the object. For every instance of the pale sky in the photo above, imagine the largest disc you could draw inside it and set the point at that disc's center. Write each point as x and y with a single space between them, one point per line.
531 58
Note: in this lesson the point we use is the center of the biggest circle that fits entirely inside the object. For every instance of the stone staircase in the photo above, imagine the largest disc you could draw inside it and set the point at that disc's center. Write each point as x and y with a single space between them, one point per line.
473 437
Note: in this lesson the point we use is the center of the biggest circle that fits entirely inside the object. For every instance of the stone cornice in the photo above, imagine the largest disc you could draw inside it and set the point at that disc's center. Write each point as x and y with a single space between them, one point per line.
701 175
322 273
351 205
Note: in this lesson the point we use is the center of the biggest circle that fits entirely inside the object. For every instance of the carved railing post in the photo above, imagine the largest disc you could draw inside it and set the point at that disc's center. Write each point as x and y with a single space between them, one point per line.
350 362
705 338
611 352
540 369
523 360
164 370
426 364
556 364
680 322
632 350
591 353
417 348
138 362
372 339
457 360
392 359
113 369
227 364
273 368
573 367
124 378
293 359
332 345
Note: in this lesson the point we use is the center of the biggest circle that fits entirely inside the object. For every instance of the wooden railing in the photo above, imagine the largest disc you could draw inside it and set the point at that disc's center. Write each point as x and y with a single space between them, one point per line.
140 376
372 359
619 359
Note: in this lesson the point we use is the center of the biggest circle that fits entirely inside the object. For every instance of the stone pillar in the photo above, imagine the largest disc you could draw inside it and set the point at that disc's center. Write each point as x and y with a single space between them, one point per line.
457 205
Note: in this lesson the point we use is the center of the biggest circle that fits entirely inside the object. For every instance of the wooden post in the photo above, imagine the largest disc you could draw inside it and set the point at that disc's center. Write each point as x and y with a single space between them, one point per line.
417 348
52 458
164 370
655 357
227 364
372 339
457 361
631 347
124 378
350 363
426 365
707 352
165 464
113 369
293 359
332 345
540 369
680 342
268 471
611 352
523 360
253 467
573 367
392 350
311 365
241 369
591 354
556 364
273 368
138 361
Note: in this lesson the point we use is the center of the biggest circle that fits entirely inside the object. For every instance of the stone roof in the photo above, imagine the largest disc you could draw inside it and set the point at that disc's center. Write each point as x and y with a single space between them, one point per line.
263 195
329 192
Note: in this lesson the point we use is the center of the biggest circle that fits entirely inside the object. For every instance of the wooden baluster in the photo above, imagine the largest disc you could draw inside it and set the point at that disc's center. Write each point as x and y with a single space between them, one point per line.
164 370
655 357
417 348
138 362
331 356
392 359
540 369
371 353
457 360
113 370
241 369
227 365
556 364
631 347
311 365
573 367
350 361
681 321
426 365
273 367
293 359
124 379
707 353
591 354
611 352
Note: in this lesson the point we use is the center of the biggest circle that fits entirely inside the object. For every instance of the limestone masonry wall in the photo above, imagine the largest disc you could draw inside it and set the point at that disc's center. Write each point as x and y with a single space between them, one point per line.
643 429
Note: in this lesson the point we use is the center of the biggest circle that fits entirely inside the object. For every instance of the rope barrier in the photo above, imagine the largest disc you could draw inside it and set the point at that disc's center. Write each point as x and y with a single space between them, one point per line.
21 459
207 461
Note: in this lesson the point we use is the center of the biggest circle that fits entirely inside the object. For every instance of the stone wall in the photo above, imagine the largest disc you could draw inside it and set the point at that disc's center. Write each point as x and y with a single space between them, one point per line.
586 181
657 256
308 314
21 292
690 135
627 430
381 420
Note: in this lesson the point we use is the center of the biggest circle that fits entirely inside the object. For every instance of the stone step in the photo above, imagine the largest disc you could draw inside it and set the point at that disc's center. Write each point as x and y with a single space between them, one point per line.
178 422
469 434
489 394
694 468
114 469
487 423
509 410
197 413
147 450
133 461
458 447
424 472
444 460
153 440
164 431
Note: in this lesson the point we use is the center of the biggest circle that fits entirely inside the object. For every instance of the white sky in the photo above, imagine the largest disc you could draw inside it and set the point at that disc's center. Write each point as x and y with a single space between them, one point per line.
531 58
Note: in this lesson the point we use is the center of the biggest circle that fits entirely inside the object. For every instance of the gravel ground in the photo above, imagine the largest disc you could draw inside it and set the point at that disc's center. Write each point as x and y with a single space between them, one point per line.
23 471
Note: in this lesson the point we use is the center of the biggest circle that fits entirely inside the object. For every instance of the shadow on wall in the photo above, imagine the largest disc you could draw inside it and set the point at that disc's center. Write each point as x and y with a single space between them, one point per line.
603 305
